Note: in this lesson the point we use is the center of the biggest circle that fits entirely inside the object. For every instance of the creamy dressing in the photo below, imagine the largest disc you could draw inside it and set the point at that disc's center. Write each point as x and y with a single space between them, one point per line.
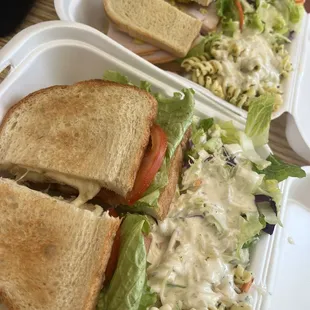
254 63
192 249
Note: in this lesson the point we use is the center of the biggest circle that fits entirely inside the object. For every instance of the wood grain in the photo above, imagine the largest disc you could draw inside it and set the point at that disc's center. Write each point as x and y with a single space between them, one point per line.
44 11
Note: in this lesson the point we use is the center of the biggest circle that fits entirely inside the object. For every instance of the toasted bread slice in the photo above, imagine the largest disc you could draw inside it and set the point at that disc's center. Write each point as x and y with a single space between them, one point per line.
52 254
155 22
93 131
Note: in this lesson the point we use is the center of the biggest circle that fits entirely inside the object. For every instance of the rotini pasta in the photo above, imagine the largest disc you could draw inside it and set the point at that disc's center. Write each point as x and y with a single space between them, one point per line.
234 71
241 275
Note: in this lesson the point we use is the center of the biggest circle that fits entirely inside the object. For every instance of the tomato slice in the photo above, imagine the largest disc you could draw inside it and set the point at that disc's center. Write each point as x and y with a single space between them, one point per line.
151 163
112 263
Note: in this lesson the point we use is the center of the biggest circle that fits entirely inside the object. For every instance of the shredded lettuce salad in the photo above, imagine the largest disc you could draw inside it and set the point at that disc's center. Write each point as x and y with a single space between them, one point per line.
218 151
277 17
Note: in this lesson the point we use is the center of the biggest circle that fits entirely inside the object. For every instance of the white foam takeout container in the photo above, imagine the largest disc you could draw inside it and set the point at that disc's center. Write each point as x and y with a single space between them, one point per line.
91 13
64 53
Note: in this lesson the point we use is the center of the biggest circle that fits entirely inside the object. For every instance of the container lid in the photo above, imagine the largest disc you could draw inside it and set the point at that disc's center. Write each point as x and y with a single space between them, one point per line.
288 284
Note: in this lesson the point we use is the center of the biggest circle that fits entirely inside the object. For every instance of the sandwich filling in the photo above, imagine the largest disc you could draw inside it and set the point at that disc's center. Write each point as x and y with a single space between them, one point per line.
87 189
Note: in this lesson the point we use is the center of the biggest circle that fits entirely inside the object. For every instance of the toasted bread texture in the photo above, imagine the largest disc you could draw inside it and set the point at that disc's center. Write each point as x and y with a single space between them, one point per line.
93 130
156 22
52 254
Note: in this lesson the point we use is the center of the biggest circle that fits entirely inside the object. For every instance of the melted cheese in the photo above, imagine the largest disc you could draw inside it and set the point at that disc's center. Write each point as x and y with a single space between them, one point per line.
88 189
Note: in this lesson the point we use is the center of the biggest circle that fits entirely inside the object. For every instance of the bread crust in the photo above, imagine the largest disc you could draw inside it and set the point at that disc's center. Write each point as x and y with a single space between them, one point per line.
168 193
73 137
52 254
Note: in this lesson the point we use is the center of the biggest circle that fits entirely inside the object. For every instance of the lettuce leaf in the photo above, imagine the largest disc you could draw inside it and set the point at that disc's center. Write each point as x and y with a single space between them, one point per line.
227 9
292 11
280 171
280 17
128 287
116 77
229 27
271 188
204 45
259 118
250 153
250 227
254 21
175 115
229 133
206 124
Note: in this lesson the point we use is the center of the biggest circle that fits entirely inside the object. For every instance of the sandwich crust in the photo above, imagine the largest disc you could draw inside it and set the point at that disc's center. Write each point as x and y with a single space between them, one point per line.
52 254
94 130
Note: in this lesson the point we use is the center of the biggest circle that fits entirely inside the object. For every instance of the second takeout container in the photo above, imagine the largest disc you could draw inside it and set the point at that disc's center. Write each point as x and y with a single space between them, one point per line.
57 53
296 87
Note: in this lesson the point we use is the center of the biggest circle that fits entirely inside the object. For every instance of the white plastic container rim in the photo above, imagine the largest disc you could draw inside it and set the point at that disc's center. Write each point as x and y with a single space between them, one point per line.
58 52
92 13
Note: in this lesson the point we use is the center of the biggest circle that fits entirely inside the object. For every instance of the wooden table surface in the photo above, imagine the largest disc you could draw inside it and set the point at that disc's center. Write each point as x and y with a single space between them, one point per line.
44 11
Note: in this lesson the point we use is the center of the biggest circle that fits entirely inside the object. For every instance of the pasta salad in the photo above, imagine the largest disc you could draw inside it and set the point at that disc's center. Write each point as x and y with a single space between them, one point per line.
248 55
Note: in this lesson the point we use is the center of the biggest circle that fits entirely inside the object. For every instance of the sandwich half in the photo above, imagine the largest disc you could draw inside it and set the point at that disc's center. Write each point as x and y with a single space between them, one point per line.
155 22
53 255
99 137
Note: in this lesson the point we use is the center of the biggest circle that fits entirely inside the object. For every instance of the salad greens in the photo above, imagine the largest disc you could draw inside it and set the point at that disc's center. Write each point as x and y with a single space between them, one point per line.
128 288
261 176
280 171
174 116
203 45
259 118
275 17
